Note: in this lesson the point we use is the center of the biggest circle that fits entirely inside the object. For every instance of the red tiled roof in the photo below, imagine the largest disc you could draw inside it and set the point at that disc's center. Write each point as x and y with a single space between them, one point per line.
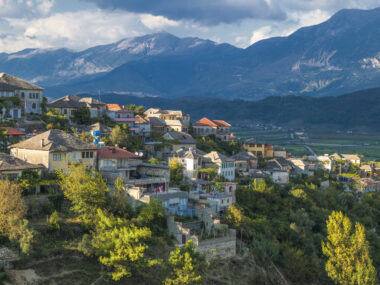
113 106
204 122
12 131
114 152
221 123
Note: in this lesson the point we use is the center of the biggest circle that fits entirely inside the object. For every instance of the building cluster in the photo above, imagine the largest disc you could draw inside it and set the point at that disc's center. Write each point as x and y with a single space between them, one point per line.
192 214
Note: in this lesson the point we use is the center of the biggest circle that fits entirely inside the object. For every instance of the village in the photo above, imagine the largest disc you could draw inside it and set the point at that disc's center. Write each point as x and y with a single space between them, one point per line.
193 168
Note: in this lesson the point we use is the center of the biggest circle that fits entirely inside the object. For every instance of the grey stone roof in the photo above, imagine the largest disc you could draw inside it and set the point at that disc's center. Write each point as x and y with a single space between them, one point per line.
68 101
156 122
215 156
8 162
54 141
244 156
192 153
182 137
10 83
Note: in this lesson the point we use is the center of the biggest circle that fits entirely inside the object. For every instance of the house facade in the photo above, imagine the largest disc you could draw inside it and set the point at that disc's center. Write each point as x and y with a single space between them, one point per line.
31 96
258 148
174 120
219 128
225 166
244 161
180 140
55 150
191 160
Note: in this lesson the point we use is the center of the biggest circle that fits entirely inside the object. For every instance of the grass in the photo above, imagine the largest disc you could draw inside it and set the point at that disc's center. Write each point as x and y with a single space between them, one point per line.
367 145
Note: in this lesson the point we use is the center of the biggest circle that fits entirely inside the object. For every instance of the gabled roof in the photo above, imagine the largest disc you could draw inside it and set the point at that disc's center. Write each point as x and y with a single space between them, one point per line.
278 163
182 137
244 156
8 162
215 156
205 122
156 122
12 131
54 141
99 127
192 153
114 152
10 83
140 120
113 107
351 156
91 101
68 101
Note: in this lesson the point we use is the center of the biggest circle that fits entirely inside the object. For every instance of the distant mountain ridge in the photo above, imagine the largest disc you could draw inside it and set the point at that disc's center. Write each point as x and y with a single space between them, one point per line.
338 56
360 109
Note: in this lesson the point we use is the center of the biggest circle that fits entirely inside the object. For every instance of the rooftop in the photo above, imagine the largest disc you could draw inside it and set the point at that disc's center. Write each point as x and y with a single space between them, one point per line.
10 83
218 157
182 137
54 141
8 162
114 152
12 131
205 122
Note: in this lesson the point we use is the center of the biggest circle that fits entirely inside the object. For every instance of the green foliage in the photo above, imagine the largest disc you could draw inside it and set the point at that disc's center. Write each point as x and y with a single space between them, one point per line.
20 232
154 160
120 246
28 179
85 189
118 202
82 116
152 215
176 171
121 136
212 143
138 110
186 266
349 262
54 221
55 120
211 173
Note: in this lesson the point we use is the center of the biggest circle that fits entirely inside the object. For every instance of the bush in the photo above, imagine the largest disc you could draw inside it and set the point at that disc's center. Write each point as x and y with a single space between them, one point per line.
54 221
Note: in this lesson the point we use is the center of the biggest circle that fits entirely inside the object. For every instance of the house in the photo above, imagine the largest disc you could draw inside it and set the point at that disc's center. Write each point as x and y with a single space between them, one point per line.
12 134
69 104
98 130
180 140
191 159
114 162
31 96
351 158
223 200
244 161
112 109
225 166
219 128
279 152
11 168
174 120
258 148
279 170
143 127
55 149
365 170
302 166
325 162
366 185
157 125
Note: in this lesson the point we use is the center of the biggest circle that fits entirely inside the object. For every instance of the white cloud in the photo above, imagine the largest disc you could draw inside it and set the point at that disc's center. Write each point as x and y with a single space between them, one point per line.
26 8
157 22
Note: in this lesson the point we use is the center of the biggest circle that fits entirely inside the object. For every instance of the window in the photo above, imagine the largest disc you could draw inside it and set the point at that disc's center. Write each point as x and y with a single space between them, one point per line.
65 111
22 94
83 154
34 106
91 154
87 154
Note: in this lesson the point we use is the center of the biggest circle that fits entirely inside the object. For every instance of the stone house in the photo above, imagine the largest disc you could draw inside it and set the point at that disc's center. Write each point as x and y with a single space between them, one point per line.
180 140
191 160
244 161
55 149
174 120
225 166
31 96
12 167
69 104
219 128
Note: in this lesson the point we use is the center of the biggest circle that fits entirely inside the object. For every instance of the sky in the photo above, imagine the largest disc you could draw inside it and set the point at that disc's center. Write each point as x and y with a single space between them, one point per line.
80 24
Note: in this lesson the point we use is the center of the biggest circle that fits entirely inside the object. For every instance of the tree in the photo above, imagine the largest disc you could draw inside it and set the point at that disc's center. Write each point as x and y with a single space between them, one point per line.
12 204
29 179
82 116
152 215
186 265
118 203
118 136
176 171
12 211
154 160
349 262
55 120
54 221
85 189
120 245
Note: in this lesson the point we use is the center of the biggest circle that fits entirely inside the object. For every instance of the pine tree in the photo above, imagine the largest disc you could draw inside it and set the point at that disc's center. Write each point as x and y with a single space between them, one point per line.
349 262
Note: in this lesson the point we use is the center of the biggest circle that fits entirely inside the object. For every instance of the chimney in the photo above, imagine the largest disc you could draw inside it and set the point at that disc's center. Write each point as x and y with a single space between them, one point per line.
42 142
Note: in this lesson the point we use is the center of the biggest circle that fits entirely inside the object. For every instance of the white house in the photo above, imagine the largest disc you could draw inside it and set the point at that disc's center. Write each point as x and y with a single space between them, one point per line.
225 166
31 96
191 159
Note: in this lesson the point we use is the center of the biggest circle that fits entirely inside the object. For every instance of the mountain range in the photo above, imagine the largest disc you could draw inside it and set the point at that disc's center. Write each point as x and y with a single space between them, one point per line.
338 56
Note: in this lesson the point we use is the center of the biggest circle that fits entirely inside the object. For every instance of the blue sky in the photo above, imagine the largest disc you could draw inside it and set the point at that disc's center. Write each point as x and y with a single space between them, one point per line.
79 24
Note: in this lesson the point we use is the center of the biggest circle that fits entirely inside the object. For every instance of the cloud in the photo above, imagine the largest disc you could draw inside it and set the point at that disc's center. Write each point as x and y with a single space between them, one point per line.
26 8
207 12
157 22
